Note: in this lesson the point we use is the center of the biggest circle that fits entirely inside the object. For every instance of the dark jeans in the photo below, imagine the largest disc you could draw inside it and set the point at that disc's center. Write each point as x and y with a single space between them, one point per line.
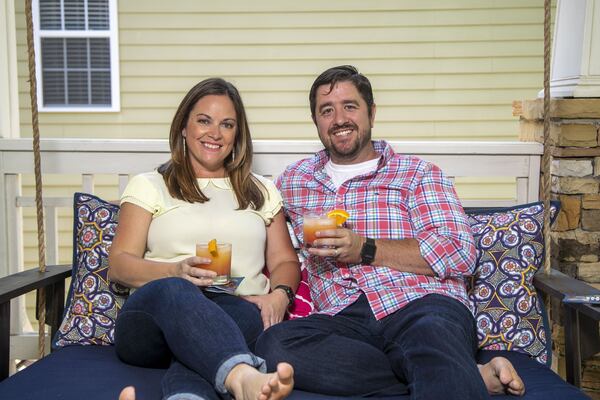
427 349
199 336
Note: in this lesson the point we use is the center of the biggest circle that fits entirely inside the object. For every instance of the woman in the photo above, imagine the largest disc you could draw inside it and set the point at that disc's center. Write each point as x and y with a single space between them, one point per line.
205 191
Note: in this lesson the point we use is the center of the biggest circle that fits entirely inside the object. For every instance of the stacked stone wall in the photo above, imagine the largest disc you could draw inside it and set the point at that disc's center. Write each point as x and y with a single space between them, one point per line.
575 177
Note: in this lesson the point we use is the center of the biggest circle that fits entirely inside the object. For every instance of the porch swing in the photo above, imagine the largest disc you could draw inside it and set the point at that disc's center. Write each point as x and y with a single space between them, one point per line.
94 372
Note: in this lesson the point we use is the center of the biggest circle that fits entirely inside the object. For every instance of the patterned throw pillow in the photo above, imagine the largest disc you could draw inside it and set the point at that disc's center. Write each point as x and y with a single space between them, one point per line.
93 301
510 249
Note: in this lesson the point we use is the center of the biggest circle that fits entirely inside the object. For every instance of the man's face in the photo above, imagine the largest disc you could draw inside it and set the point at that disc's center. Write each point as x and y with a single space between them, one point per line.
343 123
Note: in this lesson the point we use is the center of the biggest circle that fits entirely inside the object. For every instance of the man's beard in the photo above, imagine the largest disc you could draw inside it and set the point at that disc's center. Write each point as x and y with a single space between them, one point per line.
362 140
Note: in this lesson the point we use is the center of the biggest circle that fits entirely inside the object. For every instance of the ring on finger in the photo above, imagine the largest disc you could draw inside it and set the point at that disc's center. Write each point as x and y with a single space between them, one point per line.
335 252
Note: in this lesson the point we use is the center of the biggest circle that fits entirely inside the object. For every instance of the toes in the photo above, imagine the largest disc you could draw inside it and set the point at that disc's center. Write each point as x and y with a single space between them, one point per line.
127 393
285 372
269 387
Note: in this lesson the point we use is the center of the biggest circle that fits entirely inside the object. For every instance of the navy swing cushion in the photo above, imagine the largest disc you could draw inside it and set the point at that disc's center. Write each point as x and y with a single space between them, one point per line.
95 373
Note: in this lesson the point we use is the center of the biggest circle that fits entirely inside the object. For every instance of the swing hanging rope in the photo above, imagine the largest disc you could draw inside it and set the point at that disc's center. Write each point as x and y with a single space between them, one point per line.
41 295
548 142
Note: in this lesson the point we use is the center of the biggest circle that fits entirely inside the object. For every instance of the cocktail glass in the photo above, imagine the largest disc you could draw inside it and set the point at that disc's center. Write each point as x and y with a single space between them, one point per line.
220 262
314 222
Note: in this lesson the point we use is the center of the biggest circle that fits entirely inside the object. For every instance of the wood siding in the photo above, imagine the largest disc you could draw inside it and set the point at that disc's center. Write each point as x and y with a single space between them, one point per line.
440 70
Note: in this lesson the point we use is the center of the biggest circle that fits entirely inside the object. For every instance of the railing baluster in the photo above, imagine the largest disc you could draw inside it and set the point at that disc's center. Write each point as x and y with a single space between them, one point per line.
87 183
123 179
522 191
14 219
52 238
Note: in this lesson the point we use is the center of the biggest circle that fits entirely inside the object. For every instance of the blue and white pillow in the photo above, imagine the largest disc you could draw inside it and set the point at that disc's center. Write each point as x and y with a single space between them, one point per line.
510 250
93 301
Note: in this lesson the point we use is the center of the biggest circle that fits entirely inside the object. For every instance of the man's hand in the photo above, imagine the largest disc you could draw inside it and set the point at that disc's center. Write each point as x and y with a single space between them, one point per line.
345 246
341 243
272 306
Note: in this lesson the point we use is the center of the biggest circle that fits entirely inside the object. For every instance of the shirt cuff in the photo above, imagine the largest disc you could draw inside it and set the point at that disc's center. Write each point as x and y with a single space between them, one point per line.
433 250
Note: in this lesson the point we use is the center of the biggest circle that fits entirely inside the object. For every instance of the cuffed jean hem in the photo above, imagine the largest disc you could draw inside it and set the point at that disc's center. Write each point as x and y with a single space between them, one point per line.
227 366
185 396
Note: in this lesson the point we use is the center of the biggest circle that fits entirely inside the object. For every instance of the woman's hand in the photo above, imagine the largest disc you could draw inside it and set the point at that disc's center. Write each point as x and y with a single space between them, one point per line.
272 306
191 269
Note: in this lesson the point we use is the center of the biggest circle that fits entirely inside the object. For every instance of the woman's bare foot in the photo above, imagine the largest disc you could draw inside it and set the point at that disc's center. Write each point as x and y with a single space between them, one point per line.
245 382
127 394
500 377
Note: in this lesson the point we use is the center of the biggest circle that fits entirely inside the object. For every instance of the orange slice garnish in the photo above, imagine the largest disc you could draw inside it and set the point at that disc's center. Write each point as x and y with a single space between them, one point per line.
340 216
212 247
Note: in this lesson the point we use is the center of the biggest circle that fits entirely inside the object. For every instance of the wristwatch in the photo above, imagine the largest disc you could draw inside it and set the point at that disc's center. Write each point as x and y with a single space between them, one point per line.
288 292
367 253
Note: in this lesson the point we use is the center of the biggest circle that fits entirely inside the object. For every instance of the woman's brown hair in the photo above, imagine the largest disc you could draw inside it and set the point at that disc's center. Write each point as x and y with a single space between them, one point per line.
178 172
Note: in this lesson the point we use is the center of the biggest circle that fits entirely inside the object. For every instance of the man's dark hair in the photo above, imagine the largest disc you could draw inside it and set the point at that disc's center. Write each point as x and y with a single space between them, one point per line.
343 73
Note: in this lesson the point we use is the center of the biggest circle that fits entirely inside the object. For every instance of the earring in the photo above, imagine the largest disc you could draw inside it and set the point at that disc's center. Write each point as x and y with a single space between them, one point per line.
184 147
233 155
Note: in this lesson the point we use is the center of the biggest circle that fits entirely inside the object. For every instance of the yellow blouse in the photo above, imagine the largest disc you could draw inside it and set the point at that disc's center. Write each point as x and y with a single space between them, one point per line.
177 226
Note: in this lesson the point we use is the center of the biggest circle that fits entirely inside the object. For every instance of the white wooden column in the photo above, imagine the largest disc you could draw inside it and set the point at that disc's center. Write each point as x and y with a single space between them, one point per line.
576 50
9 94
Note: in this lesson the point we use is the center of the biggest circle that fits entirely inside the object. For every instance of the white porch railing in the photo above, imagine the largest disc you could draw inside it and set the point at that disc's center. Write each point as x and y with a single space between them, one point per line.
122 158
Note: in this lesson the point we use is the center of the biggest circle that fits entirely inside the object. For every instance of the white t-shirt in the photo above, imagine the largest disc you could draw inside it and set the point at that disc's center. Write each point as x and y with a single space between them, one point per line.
341 173
177 225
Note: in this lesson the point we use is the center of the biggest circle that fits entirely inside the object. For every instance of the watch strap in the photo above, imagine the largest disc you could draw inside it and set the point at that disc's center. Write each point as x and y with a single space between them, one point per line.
288 292
367 253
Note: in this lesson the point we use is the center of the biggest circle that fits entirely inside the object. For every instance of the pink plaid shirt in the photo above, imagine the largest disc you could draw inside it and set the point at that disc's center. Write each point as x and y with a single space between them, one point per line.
406 197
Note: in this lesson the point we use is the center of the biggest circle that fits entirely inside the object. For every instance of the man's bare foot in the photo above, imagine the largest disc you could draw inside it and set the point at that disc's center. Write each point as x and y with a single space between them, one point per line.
245 382
500 377
127 394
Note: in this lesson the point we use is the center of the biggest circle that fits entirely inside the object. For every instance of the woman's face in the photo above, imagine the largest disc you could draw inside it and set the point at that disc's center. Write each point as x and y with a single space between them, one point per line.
210 135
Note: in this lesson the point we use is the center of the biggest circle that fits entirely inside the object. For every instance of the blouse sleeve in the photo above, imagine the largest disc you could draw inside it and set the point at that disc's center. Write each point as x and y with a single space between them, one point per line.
141 192
273 202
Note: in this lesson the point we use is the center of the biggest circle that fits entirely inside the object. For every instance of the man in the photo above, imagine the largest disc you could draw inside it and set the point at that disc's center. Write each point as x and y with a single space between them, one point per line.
389 289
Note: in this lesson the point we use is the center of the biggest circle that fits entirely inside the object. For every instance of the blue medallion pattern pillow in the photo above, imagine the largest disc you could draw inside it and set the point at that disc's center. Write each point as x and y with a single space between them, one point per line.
510 249
93 301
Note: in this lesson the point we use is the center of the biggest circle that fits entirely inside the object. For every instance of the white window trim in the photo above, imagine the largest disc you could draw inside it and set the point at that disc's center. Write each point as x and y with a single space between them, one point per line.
112 33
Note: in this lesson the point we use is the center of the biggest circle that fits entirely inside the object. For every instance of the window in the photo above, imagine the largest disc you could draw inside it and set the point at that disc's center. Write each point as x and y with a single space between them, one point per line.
76 55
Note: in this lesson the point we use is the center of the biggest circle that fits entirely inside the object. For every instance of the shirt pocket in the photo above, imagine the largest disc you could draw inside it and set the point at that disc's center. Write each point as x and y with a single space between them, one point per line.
382 213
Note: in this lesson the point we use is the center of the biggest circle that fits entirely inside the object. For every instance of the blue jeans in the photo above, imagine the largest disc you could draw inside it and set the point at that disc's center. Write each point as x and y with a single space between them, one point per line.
170 323
427 349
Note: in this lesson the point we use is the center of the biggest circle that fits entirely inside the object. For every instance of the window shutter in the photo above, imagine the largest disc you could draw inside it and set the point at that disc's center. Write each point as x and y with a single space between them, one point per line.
50 15
53 75
74 15
100 71
98 15
75 70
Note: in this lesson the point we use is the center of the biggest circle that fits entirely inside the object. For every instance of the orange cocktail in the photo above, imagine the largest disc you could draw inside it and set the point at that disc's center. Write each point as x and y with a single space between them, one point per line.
316 222
220 261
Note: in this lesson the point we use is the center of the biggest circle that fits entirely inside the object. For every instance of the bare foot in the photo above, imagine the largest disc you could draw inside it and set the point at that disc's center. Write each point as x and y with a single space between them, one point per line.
127 394
500 377
245 382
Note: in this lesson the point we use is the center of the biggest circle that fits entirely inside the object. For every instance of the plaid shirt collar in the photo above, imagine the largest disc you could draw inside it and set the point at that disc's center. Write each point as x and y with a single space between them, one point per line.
321 158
